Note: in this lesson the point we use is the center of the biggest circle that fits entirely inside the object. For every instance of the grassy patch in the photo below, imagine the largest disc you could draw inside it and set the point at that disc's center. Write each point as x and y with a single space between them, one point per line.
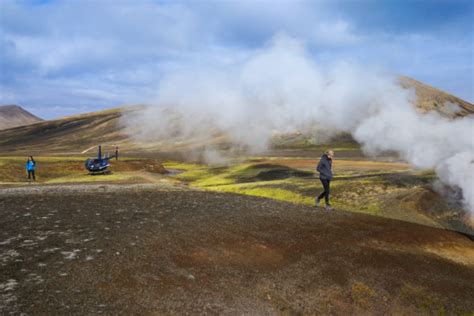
262 191
182 166
359 186
71 169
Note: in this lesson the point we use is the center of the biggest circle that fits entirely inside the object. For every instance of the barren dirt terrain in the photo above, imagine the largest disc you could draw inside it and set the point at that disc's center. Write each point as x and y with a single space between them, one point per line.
155 249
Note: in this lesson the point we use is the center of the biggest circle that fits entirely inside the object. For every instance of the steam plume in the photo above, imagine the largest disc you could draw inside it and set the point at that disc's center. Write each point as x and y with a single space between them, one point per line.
281 88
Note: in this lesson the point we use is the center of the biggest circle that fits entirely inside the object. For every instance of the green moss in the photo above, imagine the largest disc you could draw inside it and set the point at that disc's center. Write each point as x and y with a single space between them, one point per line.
272 193
194 175
372 208
349 193
353 189
181 166
229 179
214 181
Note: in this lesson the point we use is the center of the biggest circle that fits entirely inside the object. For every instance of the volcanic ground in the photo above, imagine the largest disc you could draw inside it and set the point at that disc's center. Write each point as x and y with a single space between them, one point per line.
157 249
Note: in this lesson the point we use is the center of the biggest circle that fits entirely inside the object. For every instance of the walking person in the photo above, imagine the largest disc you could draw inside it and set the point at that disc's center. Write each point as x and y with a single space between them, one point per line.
325 175
30 168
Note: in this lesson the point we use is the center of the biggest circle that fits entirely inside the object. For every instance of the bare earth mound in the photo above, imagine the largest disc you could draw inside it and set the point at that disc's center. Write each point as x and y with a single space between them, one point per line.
143 251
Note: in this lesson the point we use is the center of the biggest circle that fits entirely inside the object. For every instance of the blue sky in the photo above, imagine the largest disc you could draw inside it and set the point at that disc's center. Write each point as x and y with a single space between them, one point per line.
64 57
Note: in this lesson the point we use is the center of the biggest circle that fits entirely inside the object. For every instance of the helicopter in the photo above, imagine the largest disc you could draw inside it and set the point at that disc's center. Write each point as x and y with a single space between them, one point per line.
100 164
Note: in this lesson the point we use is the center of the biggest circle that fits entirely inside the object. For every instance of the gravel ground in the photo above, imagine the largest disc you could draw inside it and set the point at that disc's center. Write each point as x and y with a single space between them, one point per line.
154 249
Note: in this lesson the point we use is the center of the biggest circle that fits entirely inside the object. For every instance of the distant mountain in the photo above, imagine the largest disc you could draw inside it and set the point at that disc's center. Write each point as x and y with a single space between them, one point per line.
14 115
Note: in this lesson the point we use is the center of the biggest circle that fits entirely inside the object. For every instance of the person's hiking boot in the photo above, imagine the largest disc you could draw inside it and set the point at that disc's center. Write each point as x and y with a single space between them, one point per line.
328 208
317 203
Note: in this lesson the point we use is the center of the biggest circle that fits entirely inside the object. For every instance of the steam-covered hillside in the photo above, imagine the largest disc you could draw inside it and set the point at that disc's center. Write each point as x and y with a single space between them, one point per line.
78 132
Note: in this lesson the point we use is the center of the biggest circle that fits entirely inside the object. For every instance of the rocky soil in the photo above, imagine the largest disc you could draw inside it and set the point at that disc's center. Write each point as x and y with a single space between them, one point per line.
151 249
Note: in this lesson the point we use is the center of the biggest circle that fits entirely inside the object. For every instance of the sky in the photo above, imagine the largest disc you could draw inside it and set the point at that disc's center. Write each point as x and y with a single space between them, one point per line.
65 57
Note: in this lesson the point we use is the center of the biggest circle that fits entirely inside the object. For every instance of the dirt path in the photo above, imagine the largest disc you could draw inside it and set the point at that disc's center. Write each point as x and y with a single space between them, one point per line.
145 250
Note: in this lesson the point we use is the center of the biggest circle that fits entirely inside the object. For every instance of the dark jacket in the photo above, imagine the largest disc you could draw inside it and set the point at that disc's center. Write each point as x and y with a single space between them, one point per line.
325 168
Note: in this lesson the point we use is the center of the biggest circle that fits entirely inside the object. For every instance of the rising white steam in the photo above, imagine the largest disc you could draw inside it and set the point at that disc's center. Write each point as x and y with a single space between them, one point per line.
281 88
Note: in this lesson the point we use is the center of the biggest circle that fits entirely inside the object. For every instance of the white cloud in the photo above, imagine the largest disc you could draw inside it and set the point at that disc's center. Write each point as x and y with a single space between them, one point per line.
337 32
118 45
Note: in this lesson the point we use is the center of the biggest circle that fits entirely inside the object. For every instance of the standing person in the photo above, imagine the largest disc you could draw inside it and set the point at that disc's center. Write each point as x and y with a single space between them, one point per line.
325 175
30 168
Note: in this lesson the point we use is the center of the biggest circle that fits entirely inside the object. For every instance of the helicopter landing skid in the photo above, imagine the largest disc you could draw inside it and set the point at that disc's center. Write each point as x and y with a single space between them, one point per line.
102 172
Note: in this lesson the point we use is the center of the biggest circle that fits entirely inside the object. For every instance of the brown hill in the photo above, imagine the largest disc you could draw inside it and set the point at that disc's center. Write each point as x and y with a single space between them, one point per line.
70 134
432 99
14 115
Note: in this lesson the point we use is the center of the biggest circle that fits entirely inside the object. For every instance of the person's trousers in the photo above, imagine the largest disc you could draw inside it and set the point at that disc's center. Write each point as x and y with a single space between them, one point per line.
326 191
31 174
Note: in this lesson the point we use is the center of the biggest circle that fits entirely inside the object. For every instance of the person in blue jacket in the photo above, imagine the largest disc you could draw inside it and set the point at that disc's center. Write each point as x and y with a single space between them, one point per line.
30 168
325 175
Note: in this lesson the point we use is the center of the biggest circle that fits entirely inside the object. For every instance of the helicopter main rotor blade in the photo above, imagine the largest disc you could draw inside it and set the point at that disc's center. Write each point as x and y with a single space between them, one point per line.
88 149
83 152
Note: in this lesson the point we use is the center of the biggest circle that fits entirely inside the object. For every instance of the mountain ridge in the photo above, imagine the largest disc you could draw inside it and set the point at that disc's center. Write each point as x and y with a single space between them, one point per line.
13 115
